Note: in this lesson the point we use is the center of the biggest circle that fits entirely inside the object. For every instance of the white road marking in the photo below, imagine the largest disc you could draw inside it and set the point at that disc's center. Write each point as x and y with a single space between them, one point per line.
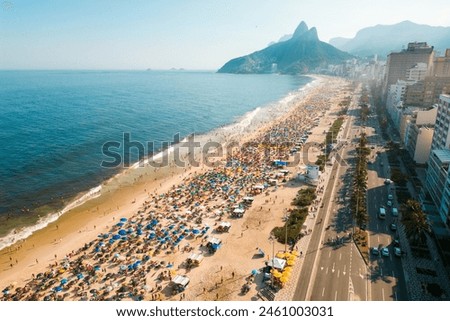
326 272
345 266
335 296
321 268
340 256
378 237
382 293
329 254
339 272
332 270
323 291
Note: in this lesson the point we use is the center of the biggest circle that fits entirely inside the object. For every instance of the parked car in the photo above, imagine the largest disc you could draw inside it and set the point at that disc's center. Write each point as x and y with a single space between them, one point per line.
385 251
393 227
389 203
397 251
375 251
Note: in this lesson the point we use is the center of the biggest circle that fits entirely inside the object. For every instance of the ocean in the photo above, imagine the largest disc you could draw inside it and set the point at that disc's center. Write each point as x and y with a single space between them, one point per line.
54 124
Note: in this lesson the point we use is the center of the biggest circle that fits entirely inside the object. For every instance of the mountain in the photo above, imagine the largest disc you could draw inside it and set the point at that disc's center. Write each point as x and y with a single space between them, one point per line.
302 53
383 39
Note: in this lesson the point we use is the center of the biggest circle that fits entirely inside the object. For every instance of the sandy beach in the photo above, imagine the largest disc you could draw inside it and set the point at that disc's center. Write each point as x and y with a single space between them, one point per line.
132 241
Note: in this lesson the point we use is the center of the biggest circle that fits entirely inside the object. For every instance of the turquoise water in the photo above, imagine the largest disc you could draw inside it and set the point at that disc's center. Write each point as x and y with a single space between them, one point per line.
54 123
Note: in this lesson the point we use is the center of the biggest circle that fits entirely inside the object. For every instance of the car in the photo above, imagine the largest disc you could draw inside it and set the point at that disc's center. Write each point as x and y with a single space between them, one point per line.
385 251
375 251
393 227
397 251
387 181
389 203
390 197
394 212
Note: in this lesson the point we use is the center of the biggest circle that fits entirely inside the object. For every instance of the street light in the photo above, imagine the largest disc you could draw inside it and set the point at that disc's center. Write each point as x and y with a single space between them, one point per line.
286 218
272 239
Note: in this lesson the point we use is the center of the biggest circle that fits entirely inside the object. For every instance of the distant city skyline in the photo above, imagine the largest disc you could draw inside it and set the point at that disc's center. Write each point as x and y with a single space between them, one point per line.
180 34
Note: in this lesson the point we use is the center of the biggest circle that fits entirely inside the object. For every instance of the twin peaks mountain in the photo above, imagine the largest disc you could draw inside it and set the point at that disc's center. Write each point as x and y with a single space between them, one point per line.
300 54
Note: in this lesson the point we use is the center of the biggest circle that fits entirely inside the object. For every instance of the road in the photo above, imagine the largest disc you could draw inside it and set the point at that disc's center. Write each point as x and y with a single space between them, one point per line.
333 268
386 273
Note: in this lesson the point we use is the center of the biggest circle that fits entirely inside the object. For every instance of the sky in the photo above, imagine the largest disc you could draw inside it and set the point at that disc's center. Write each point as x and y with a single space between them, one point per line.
190 34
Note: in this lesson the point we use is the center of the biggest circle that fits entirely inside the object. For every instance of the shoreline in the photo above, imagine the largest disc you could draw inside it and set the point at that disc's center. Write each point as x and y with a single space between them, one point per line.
122 196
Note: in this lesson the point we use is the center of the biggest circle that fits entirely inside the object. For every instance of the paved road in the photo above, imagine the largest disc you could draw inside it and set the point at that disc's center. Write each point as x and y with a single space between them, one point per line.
386 273
333 268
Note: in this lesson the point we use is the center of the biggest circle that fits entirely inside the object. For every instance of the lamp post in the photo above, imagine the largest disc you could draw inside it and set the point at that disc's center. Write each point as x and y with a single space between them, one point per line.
272 239
286 218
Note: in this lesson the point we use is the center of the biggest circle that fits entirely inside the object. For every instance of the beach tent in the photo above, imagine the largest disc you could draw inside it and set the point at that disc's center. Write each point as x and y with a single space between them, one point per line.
277 263
195 258
180 282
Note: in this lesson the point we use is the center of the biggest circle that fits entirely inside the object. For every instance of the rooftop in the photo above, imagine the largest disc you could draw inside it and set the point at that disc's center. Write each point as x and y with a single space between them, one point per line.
443 155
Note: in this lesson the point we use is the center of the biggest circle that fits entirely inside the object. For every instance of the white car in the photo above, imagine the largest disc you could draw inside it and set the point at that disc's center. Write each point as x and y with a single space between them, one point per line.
397 251
389 203
385 251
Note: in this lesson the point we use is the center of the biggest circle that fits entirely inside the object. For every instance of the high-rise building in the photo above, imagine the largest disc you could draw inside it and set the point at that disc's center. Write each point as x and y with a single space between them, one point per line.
399 64
441 137
419 134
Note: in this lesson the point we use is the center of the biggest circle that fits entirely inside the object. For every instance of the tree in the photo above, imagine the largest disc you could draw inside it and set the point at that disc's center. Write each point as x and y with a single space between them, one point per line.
415 222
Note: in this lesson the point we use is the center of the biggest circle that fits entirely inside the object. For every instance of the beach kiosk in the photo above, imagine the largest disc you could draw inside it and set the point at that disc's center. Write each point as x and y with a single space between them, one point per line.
194 260
223 227
276 263
238 212
213 244
179 283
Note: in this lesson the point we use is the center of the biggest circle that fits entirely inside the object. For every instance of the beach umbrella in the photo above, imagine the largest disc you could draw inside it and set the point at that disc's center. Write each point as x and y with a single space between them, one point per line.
123 267
123 219
120 224
295 253
101 244
195 231
276 273
149 226
139 232
97 268
290 262
122 232
58 289
280 255
63 281
130 230
255 272
289 268
116 236
284 279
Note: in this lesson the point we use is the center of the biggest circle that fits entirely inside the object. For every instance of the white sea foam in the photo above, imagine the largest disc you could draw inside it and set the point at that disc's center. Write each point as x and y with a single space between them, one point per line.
22 233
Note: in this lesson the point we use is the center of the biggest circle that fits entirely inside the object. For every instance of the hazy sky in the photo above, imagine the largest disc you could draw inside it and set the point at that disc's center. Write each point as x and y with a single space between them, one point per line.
193 34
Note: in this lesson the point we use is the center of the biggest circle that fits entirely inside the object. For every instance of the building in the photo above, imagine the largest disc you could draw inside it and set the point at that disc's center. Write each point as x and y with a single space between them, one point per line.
441 137
419 134
438 183
399 64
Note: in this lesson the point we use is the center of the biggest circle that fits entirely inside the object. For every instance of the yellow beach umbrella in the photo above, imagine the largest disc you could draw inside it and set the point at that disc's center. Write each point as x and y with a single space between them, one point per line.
286 273
283 279
288 269
276 274
290 262
295 253
280 255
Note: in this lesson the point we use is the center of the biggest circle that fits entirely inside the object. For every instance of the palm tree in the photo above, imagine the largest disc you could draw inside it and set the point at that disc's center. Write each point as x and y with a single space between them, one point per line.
415 222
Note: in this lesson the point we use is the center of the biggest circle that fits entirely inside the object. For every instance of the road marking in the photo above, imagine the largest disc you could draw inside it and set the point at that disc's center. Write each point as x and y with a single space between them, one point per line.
329 254
323 291
326 270
378 237
382 293
345 266
339 272
321 268
381 271
340 256
335 296
332 270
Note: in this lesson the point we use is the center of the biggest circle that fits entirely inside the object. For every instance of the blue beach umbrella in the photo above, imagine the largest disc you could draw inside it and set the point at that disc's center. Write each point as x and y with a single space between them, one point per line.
80 276
119 224
116 236
195 231
58 289
122 232
123 219
63 281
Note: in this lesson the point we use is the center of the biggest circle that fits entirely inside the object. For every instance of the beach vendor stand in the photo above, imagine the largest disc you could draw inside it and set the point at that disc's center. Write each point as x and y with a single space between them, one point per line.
238 213
194 260
179 283
223 227
213 244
